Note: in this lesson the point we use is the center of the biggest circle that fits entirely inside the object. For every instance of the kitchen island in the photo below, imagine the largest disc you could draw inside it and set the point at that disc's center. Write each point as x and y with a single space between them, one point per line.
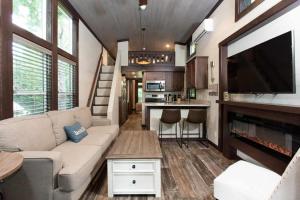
152 114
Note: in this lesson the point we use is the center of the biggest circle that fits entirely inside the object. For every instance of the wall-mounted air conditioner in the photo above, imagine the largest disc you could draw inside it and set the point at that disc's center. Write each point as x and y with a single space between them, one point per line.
206 26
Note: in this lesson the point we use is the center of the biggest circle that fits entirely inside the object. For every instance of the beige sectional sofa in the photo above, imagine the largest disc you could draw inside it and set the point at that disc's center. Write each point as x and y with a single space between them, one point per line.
54 168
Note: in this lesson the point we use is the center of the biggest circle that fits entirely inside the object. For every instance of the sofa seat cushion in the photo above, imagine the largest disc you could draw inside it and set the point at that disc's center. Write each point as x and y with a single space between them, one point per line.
30 133
79 164
59 120
98 138
247 181
111 129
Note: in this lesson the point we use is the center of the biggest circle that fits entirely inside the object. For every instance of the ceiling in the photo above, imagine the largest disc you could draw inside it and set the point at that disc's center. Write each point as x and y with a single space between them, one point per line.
166 21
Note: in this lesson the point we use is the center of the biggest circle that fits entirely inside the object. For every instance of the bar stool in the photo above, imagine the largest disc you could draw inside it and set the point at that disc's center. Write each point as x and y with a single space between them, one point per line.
195 117
170 116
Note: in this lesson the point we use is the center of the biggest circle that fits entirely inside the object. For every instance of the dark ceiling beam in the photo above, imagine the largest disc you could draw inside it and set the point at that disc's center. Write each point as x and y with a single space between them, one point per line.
68 5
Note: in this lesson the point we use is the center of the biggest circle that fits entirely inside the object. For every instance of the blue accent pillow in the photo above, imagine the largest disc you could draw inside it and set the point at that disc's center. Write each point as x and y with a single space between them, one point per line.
75 132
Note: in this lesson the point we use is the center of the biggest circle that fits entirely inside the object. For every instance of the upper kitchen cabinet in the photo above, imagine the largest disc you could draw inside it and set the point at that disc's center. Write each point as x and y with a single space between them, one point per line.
197 73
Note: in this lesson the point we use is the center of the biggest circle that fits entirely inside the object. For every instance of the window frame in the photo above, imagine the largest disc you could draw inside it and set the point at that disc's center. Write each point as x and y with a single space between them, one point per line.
8 28
74 92
24 44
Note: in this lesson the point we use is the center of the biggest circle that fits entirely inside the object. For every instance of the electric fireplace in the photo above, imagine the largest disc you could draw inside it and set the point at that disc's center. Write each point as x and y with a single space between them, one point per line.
279 137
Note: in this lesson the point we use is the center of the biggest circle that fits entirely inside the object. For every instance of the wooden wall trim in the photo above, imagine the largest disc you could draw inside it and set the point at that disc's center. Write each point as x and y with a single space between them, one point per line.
239 15
6 71
262 106
31 37
96 77
54 78
67 55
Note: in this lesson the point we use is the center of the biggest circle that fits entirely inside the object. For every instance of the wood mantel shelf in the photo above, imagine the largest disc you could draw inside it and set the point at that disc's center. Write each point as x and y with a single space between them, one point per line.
261 106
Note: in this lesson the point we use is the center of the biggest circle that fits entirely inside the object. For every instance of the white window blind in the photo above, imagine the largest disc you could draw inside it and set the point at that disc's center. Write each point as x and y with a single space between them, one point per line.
66 85
31 79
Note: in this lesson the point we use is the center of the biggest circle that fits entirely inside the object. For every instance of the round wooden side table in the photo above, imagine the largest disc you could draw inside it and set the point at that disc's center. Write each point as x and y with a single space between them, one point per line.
9 164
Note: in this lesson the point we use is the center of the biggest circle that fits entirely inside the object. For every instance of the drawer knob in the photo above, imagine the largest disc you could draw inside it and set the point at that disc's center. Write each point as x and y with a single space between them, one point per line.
133 166
134 181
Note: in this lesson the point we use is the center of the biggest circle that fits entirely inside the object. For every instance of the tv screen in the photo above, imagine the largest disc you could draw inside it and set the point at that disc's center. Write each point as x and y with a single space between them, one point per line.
267 68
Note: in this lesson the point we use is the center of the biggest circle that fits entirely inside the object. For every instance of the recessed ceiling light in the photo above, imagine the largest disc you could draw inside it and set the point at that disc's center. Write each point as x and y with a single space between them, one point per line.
167 45
143 4
144 48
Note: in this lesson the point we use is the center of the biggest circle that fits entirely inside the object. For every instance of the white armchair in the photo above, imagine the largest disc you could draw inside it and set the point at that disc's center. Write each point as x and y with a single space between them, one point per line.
246 181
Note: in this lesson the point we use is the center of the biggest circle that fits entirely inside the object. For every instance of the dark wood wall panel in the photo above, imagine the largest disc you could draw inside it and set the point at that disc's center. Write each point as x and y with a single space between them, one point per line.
54 88
6 87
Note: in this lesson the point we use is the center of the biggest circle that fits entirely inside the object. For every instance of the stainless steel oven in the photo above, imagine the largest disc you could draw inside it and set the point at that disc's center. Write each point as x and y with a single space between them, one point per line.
156 86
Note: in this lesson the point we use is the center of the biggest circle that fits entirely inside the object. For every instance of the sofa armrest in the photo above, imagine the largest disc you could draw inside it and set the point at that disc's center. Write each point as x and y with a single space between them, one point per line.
53 156
37 178
101 122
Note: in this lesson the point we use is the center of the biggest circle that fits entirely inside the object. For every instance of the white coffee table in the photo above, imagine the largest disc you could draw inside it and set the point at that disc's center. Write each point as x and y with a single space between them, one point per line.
134 164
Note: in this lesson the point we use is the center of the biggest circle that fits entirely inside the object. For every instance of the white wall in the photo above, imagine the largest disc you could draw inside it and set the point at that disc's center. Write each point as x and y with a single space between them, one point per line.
123 48
89 53
224 26
180 55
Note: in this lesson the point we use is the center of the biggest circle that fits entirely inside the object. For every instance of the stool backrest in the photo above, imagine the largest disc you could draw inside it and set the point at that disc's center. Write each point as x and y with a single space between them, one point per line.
289 185
170 116
196 116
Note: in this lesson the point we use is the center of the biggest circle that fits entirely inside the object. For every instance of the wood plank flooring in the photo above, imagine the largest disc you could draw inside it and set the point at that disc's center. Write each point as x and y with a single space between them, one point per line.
187 173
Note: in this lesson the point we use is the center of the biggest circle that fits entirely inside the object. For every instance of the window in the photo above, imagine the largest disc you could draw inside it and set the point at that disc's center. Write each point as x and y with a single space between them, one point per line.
31 15
66 84
65 30
31 78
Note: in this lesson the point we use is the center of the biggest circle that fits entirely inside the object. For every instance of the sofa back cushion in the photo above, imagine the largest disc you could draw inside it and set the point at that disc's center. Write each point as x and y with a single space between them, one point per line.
83 116
30 133
60 119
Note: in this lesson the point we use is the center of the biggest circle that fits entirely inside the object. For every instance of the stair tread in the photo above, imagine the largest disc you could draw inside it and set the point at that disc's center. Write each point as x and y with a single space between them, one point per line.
100 104
104 88
99 114
102 96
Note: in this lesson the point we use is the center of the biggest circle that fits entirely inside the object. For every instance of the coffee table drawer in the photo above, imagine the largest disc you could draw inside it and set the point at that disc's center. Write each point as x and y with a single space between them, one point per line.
133 166
133 183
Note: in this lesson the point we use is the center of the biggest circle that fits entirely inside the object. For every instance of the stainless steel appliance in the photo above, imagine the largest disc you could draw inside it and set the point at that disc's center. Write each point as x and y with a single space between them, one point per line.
156 86
154 98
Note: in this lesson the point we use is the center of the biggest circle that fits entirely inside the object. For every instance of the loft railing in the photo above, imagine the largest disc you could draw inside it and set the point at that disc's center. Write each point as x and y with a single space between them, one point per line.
151 58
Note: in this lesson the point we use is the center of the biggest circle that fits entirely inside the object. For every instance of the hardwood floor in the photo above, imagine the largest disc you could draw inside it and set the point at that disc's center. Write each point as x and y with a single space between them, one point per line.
187 173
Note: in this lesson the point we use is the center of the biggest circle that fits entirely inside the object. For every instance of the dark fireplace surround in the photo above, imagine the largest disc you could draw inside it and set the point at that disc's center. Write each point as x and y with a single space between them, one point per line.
268 133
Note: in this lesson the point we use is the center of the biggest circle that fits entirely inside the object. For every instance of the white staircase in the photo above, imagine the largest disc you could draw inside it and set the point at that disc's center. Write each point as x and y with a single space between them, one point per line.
101 98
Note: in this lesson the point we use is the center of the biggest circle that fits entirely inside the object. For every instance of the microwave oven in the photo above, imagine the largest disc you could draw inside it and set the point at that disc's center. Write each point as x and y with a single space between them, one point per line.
155 86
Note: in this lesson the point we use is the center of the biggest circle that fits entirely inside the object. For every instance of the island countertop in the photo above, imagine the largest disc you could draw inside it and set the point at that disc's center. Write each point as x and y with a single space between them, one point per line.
191 103
184 106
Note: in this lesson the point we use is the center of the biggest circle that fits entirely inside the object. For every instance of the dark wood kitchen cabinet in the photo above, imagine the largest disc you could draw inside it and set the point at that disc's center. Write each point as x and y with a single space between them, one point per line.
197 73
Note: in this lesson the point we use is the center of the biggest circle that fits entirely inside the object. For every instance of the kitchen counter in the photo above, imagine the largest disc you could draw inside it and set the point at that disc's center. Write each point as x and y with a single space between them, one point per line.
152 111
197 103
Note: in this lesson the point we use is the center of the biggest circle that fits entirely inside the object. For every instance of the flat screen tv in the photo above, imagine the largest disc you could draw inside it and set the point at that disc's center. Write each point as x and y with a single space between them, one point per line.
267 68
